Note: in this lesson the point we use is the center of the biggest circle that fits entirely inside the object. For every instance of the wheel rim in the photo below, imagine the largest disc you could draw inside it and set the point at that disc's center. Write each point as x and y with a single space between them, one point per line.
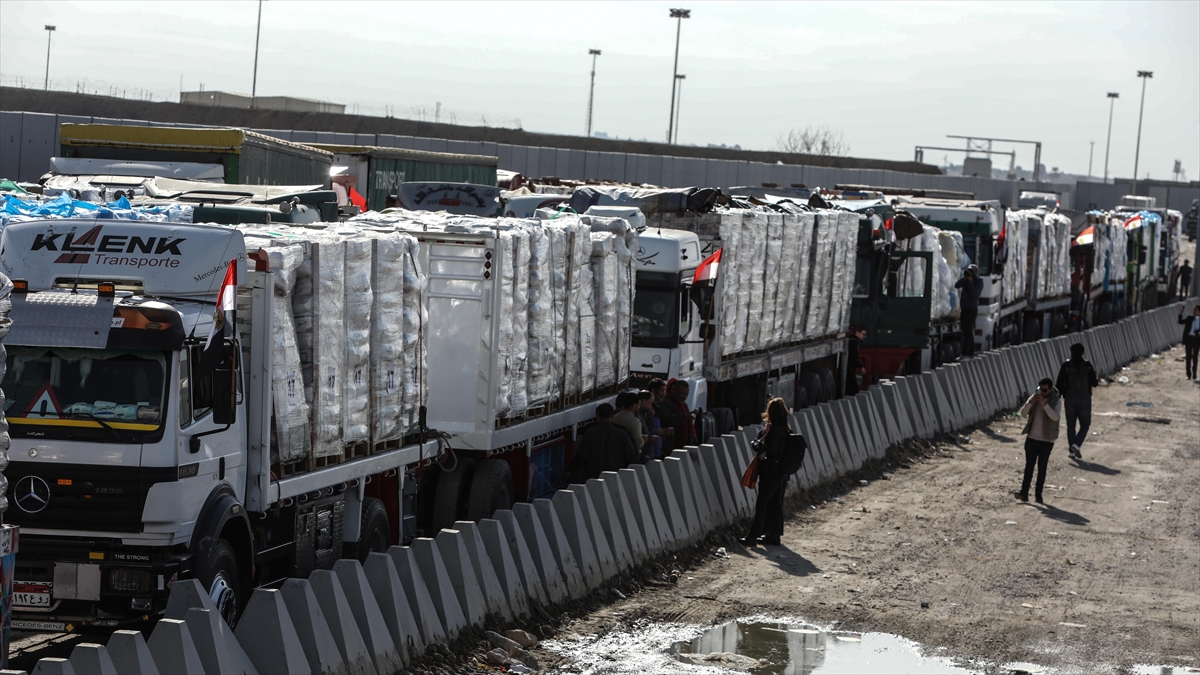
224 597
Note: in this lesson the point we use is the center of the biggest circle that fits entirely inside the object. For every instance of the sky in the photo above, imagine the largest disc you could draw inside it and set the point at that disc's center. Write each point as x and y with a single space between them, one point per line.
889 75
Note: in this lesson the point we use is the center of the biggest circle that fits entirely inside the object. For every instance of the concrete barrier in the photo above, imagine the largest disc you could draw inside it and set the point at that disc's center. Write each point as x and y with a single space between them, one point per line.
717 480
623 507
485 570
372 625
441 590
605 555
497 548
462 576
610 523
646 509
51 666
219 650
186 594
393 603
342 627
659 490
129 653
320 650
570 517
523 558
563 554
690 463
420 603
728 465
526 518
685 494
92 659
268 637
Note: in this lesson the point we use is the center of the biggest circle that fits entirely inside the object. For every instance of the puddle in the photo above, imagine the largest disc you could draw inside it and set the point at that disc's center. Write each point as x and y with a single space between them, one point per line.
760 648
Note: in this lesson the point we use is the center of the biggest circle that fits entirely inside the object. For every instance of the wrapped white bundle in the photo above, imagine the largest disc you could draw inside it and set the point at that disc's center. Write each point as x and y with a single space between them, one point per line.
319 316
747 250
804 273
518 391
543 339
754 230
576 261
820 298
586 317
505 271
789 280
416 322
566 342
293 435
356 328
770 302
1056 238
387 336
605 272
955 257
731 293
1016 240
624 247
846 266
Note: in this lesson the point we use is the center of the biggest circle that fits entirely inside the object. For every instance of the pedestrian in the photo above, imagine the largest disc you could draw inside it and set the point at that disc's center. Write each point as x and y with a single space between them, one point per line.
1191 339
1041 430
675 415
767 526
968 303
1185 279
651 427
626 418
658 388
1076 379
603 447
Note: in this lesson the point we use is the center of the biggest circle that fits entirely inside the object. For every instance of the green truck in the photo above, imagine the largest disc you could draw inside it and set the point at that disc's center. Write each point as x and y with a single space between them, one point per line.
377 172
247 157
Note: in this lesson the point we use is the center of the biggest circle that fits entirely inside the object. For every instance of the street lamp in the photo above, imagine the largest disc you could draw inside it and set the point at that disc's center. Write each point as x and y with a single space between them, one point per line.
1145 75
592 91
49 33
678 103
680 15
1112 100
254 81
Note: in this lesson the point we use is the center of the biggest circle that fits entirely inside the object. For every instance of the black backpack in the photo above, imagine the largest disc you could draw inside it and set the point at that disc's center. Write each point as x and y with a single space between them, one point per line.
794 449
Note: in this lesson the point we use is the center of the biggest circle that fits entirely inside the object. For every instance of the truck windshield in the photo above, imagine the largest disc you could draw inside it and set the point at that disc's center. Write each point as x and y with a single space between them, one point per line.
656 317
110 395
979 250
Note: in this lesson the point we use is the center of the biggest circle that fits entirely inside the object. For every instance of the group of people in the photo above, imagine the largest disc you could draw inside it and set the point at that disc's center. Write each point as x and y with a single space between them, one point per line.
638 427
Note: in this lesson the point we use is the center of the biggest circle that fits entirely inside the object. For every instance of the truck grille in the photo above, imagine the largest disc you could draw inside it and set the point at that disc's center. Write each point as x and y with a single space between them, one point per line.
80 496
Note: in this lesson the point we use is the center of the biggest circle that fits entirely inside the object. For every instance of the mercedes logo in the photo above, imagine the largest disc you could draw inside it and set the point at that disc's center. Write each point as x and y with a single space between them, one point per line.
32 494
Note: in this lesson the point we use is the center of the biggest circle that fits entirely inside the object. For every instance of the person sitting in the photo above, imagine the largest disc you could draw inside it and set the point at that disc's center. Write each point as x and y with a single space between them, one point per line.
603 447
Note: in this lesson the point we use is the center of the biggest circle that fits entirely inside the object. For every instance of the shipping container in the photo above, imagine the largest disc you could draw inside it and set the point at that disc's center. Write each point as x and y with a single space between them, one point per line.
378 172
248 157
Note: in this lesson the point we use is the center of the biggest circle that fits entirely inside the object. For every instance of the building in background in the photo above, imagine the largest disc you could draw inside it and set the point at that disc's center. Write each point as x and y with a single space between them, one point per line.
225 99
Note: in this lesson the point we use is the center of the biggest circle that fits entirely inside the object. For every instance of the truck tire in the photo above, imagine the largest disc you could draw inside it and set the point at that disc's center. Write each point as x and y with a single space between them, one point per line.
1104 313
811 382
491 489
1058 324
724 418
218 573
1033 329
828 386
801 398
375 533
453 488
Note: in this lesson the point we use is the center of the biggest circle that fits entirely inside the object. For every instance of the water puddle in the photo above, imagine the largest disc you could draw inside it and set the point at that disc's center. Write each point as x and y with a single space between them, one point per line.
762 647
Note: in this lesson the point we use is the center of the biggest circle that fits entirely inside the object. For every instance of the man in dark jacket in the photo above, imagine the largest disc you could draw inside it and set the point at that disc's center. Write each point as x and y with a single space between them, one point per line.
1191 340
677 417
1075 381
603 447
1185 279
968 304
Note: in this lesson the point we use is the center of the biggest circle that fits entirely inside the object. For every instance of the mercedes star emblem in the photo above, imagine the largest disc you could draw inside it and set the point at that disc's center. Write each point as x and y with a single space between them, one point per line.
32 494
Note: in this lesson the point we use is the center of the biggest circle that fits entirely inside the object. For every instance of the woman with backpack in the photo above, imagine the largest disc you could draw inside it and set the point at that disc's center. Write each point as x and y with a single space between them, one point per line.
771 445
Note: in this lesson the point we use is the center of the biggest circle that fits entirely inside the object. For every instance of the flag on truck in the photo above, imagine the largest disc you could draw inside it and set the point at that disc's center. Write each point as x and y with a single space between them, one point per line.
223 321
707 271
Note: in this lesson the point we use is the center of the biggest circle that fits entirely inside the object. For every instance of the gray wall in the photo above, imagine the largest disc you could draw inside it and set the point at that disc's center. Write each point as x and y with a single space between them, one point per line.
28 140
1177 196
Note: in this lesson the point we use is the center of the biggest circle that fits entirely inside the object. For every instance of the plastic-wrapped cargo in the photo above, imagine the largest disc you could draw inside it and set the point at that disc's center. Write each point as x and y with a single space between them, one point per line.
1054 271
789 278
825 231
955 257
605 271
518 355
318 307
733 294
416 320
356 329
771 273
754 230
805 223
543 339
624 247
843 272
1016 247
507 339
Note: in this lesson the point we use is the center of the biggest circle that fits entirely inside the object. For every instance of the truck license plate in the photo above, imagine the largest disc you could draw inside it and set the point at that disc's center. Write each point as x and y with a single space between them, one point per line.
31 594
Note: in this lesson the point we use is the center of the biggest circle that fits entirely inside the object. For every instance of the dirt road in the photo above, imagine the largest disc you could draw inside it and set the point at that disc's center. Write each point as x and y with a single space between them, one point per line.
1105 575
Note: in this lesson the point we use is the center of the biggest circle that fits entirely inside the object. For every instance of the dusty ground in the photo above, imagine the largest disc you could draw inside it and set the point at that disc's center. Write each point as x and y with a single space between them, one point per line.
1105 575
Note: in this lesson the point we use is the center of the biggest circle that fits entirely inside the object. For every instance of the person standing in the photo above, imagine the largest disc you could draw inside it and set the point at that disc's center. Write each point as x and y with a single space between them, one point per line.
1041 430
767 526
603 447
968 303
677 418
626 418
651 427
1185 279
1076 379
1191 340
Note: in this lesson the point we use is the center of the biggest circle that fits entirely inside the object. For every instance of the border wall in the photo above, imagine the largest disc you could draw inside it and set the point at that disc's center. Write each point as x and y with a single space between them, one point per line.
378 616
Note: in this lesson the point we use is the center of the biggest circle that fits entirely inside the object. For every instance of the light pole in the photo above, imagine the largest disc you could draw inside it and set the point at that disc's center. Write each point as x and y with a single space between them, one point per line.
679 15
1145 75
1091 151
592 91
1112 100
49 34
678 103
254 82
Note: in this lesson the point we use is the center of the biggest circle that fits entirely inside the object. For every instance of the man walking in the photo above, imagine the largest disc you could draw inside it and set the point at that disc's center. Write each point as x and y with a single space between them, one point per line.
1185 279
603 447
1191 339
1076 378
1043 409
968 303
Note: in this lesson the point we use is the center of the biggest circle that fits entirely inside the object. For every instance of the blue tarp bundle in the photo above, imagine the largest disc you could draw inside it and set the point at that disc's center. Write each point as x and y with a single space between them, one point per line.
14 209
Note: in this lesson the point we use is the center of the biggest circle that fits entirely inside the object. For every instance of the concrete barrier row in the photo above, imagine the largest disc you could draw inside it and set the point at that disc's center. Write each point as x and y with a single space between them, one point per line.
358 619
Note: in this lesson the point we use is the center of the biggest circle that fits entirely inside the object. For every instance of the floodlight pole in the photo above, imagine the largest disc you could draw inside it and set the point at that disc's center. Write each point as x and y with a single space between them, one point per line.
254 82
678 104
1112 100
1145 75
592 91
49 34
680 15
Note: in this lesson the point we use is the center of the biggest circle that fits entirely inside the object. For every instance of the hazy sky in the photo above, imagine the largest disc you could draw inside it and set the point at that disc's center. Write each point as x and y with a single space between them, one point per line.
889 75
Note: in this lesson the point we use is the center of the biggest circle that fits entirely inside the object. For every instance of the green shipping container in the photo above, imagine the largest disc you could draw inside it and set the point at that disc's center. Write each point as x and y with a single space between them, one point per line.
378 172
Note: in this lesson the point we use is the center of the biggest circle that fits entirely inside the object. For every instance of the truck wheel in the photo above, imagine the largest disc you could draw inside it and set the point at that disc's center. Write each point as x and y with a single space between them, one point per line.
811 382
724 418
1058 324
491 489
1033 329
453 488
375 534
1104 313
828 386
219 574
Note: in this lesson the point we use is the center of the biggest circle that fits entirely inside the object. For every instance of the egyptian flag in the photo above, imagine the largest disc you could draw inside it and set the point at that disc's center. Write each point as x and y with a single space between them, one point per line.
223 321
706 273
